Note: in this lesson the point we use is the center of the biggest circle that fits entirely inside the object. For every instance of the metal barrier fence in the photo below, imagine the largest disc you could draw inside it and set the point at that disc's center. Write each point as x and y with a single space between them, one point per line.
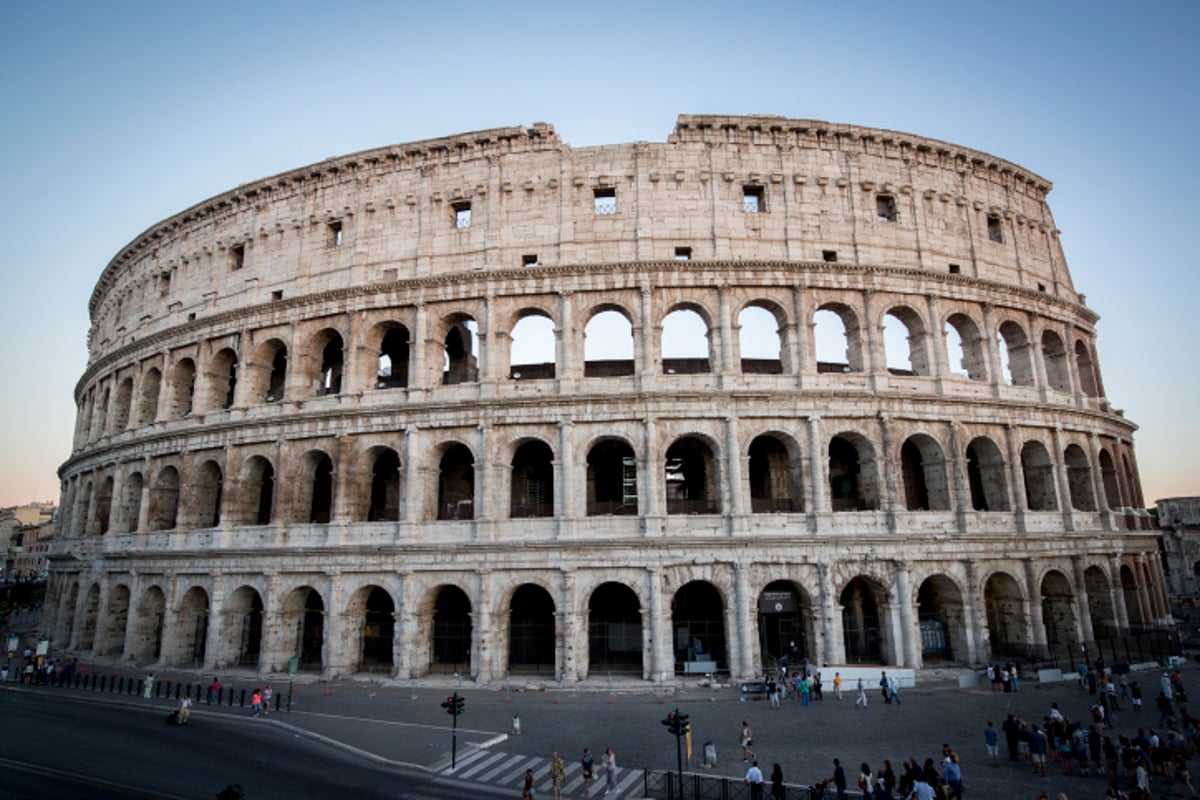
1132 646
163 690
661 785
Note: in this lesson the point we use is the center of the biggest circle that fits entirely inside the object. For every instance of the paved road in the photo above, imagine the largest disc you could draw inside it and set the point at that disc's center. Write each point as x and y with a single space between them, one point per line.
382 727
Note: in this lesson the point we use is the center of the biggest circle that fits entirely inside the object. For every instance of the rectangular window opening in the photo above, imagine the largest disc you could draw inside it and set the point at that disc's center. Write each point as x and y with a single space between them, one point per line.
237 255
885 208
955 269
605 199
1041 287
753 200
164 284
335 233
829 256
530 260
277 294
683 254
995 232
462 215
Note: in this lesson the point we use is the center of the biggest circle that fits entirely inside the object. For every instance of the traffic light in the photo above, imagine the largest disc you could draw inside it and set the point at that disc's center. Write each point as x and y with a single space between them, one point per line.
677 724
455 705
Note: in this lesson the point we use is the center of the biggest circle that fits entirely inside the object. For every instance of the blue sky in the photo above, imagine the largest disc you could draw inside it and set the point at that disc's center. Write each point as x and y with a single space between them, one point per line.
118 114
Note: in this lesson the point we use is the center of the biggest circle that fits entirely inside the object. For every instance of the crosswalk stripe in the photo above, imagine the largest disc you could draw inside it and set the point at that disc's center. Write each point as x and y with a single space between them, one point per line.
629 780
487 776
481 765
517 776
471 758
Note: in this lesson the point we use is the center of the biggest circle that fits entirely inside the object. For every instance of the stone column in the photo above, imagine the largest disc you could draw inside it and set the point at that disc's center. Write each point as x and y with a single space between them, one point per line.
736 503
745 629
976 632
485 654
1058 459
816 488
487 368
415 473
417 379
727 373
661 646
566 340
484 478
565 505
957 465
1164 599
272 654
1117 593
650 474
650 335
1098 482
137 586
216 625
1084 617
874 360
1149 613
1037 357
1033 601
909 645
573 620
939 362
799 338
170 632
334 658
834 651
1016 477
991 350
887 469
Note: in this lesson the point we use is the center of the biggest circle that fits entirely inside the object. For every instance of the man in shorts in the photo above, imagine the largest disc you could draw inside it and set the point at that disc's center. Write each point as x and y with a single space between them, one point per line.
1037 750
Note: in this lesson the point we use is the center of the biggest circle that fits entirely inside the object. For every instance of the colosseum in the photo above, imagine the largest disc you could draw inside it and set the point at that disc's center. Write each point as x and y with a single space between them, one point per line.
494 405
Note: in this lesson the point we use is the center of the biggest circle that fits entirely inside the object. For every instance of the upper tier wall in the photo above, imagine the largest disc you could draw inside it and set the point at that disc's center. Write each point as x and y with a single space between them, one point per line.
390 214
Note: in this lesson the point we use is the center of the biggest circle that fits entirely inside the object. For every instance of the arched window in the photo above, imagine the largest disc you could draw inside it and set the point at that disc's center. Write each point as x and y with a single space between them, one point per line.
759 341
147 407
331 361
837 340
1039 477
532 493
905 340
608 345
531 356
456 483
691 478
1086 367
964 347
923 469
853 474
685 342
1058 375
459 353
612 479
392 371
986 475
183 388
1015 354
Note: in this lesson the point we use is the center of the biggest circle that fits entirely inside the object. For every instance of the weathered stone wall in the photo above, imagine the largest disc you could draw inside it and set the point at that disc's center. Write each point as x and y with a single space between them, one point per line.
241 456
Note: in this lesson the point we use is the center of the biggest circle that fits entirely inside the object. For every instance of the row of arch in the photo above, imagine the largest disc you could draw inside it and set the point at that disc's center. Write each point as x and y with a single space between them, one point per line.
904 341
855 473
533 628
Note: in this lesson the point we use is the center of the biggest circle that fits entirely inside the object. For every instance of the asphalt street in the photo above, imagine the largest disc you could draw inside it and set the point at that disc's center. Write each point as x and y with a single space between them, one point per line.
380 732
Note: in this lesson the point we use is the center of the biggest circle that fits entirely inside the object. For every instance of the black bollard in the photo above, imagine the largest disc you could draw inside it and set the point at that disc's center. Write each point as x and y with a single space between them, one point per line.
101 684
121 686
138 690
178 687
242 701
231 697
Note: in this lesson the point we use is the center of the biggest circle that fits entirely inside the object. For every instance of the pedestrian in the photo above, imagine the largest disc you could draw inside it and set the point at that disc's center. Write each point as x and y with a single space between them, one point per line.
1135 692
921 791
558 771
837 684
777 790
839 777
953 778
883 687
894 690
815 687
862 695
527 791
256 702
1037 751
4 673
588 770
148 686
805 691
266 699
991 675
610 769
754 778
183 710
213 689
1014 677
772 693
992 738
746 738
1012 735
866 779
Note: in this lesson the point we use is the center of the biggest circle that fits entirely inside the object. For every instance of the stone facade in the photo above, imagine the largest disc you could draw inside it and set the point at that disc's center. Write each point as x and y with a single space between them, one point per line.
309 427
1179 519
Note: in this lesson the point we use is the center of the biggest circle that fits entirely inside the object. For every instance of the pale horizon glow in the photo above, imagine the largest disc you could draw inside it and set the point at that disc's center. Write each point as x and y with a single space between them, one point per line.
120 115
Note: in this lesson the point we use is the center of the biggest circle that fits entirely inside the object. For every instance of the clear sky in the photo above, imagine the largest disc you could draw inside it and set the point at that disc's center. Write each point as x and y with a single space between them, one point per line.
114 115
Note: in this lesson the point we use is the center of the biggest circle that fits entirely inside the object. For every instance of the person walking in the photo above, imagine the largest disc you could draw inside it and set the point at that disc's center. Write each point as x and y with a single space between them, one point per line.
883 687
777 790
610 770
558 772
952 774
773 693
839 778
992 738
183 710
266 699
837 684
746 739
861 700
588 770
148 686
754 778
527 791
1012 736
256 702
213 689
805 691
894 690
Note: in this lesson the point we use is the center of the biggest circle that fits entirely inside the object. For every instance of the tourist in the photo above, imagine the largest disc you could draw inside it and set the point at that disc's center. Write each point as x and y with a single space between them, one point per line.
746 739
610 769
588 770
992 738
558 771
862 695
837 685
754 778
777 790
